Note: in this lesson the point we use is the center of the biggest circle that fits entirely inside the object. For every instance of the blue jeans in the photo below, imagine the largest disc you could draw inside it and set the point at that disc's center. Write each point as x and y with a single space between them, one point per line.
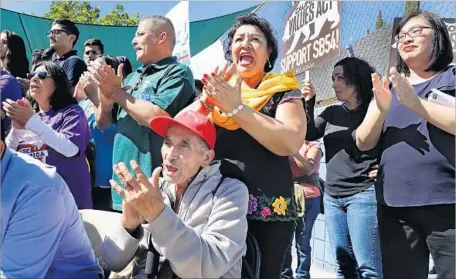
352 227
303 233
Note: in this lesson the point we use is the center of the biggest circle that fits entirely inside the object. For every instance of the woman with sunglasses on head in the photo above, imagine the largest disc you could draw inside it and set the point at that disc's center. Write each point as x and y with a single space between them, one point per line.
415 185
53 129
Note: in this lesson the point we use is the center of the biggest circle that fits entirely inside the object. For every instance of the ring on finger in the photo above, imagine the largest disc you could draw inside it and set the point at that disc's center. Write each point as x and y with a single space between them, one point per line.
213 92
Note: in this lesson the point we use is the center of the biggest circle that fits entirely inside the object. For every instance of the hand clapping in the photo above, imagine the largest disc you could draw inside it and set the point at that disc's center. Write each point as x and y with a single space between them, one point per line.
140 194
223 95
382 94
19 114
406 94
105 77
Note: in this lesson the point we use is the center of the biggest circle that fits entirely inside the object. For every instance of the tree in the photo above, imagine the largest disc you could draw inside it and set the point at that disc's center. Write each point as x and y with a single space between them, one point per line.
119 16
83 12
379 23
411 6
80 12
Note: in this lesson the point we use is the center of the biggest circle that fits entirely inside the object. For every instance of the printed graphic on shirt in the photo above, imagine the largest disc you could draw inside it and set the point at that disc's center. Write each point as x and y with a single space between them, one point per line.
37 152
147 94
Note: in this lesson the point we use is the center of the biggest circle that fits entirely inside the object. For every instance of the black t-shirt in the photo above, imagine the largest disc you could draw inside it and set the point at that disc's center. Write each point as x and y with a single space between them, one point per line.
268 175
73 66
347 167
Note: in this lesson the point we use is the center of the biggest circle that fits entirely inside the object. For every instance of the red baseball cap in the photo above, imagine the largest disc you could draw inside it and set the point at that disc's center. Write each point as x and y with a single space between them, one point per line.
194 121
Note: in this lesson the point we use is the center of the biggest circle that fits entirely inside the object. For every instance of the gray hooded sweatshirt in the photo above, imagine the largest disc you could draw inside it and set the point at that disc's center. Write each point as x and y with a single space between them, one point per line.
205 239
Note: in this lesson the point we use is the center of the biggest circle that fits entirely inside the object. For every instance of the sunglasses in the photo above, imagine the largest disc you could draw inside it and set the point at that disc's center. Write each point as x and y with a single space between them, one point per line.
41 75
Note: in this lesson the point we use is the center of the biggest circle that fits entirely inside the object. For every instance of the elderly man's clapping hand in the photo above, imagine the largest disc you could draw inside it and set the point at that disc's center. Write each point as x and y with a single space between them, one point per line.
141 195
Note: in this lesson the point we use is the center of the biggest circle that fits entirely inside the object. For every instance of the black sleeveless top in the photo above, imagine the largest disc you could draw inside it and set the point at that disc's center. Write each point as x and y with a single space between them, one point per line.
268 175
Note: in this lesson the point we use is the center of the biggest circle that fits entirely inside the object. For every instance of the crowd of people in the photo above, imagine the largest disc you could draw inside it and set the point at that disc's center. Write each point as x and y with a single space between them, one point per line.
149 173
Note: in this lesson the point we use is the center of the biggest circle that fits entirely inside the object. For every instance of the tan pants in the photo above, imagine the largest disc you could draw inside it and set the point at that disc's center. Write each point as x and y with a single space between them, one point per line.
97 224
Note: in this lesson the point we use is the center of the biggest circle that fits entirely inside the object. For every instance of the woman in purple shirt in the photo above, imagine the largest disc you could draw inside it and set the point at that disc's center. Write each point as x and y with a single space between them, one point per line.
53 129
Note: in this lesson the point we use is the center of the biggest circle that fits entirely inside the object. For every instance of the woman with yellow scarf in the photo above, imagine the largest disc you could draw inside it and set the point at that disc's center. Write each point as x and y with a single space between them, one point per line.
260 120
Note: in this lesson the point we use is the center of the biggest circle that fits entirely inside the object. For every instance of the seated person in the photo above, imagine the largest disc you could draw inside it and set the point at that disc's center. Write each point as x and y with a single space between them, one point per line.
42 233
194 217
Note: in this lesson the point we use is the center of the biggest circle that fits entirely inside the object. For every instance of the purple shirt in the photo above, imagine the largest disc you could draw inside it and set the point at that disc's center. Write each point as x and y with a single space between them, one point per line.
71 122
417 166
9 89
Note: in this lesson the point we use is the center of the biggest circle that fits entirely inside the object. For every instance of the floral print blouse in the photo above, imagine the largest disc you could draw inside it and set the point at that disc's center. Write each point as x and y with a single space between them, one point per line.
268 175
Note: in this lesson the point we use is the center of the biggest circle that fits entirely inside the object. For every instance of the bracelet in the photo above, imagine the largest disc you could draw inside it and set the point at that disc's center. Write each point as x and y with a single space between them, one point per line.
235 111
209 108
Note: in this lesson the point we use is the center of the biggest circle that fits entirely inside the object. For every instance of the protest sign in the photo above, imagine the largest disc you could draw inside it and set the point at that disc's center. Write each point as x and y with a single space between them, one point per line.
311 35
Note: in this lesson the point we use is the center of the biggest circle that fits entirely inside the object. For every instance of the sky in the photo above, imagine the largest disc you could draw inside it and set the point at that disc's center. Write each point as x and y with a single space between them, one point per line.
199 10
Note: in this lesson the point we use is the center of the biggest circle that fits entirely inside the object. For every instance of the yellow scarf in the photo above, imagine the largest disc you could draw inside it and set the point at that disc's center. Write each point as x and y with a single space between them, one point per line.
257 98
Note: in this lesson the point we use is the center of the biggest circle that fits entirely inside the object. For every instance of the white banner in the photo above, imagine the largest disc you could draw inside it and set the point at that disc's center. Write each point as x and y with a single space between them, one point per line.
206 61
179 16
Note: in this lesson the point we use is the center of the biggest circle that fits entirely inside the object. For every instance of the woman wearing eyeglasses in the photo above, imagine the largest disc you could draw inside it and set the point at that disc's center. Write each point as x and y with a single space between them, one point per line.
415 184
53 129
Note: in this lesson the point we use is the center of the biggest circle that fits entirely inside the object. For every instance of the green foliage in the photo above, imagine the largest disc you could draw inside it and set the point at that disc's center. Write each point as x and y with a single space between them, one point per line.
411 6
80 12
119 16
83 12
379 23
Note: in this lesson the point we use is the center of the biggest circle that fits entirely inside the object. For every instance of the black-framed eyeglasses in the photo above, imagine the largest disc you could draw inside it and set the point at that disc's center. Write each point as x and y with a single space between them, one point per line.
56 32
41 75
412 33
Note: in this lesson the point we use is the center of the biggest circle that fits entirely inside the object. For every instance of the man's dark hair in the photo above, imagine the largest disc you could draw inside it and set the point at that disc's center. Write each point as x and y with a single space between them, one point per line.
37 53
442 51
16 62
357 73
69 27
47 54
62 96
265 27
111 61
198 85
95 42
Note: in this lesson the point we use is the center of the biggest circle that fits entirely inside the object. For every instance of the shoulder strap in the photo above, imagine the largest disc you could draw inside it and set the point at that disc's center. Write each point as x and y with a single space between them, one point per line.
164 271
214 191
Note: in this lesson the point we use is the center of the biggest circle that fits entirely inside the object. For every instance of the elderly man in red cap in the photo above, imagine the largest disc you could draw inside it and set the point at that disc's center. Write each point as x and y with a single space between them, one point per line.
194 218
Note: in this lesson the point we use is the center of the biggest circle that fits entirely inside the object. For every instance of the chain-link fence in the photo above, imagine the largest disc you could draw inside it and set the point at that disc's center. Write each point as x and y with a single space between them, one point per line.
369 36
365 26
